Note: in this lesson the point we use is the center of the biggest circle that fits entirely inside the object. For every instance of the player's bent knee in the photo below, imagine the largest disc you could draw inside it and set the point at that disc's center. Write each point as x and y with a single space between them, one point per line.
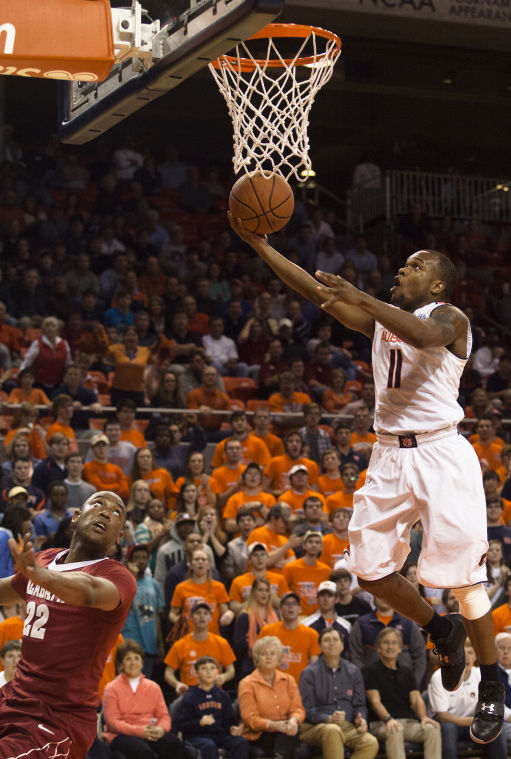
473 600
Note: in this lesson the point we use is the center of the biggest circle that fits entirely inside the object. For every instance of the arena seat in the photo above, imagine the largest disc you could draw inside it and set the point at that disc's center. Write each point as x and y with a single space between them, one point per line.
252 405
242 388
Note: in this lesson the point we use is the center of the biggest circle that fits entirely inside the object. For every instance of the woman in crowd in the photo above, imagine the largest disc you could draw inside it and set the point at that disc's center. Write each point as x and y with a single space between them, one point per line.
257 612
159 480
200 586
274 730
140 495
157 313
252 345
154 529
188 499
209 528
48 356
168 393
136 716
336 397
196 471
251 492
24 424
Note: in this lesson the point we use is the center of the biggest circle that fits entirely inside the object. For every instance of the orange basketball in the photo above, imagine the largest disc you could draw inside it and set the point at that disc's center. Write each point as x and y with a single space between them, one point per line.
264 201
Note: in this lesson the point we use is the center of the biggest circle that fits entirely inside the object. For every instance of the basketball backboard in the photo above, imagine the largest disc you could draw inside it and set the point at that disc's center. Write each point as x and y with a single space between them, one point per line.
183 44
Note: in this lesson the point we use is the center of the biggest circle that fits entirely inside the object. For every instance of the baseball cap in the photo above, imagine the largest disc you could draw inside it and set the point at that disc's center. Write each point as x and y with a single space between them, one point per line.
285 323
18 490
201 605
327 585
100 438
185 517
312 534
288 595
297 468
256 547
137 547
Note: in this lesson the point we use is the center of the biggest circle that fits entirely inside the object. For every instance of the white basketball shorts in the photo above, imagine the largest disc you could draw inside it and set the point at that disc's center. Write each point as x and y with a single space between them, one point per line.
438 482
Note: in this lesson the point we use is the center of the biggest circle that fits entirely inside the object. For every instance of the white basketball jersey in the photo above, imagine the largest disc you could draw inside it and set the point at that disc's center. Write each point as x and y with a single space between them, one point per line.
416 389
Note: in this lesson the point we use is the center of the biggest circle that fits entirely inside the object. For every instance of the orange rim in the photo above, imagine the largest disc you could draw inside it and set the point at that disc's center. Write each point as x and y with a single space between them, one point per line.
300 31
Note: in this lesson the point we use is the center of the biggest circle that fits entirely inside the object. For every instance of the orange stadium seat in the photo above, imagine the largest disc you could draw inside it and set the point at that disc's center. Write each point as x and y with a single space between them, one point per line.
235 404
97 424
104 399
5 423
241 388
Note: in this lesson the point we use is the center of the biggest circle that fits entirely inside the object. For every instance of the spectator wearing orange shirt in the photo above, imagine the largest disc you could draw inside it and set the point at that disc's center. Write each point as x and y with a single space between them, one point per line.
300 643
336 397
208 398
63 410
258 568
314 437
201 587
504 470
126 410
488 452
305 575
274 535
197 321
350 477
276 478
335 543
159 480
362 440
261 422
100 473
287 400
330 482
299 491
254 450
250 494
226 480
502 614
27 393
24 423
184 652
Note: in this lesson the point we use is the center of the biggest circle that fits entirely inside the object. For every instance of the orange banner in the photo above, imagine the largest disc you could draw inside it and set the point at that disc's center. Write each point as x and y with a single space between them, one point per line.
56 39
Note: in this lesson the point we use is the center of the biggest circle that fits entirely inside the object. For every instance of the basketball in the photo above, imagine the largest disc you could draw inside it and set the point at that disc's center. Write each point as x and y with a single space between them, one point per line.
263 201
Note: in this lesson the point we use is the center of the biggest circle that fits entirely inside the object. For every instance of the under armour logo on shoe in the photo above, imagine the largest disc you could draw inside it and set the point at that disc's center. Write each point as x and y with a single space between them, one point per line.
490 708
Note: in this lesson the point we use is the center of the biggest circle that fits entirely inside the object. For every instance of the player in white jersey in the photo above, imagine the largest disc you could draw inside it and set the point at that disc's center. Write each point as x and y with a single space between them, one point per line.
420 467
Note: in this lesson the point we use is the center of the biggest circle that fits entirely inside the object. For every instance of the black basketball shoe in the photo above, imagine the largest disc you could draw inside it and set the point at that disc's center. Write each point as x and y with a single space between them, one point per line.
451 652
489 713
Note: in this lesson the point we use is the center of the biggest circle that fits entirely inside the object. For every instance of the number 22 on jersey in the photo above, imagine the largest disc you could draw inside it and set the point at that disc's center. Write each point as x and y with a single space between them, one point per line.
36 619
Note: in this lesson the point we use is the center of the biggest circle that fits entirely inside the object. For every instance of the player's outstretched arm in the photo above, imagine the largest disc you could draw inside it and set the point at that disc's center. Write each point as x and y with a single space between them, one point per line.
75 588
445 327
294 276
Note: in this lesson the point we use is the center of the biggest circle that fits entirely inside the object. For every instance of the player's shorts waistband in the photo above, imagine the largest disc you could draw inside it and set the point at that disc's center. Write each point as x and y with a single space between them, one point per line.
413 440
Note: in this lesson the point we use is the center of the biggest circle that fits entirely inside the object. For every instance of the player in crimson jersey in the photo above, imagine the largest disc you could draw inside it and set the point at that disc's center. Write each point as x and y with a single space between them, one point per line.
77 602
420 467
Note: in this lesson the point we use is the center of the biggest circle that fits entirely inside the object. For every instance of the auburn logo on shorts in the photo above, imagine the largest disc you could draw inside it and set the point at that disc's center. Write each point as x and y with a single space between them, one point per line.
482 560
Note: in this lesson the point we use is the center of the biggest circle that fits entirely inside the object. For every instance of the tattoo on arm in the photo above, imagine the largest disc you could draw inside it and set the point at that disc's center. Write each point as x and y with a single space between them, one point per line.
451 322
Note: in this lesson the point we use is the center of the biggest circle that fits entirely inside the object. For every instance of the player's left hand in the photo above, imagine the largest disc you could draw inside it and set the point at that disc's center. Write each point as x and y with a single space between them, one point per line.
23 556
249 237
337 289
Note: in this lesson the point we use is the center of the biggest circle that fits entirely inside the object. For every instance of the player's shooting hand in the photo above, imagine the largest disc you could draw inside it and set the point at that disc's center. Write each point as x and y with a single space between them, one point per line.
249 237
23 557
336 289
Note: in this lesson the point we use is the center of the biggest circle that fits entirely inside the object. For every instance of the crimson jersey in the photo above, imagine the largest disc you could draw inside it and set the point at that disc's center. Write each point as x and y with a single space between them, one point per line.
64 648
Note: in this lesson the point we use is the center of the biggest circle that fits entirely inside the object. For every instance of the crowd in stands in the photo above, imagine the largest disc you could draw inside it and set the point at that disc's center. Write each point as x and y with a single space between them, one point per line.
144 350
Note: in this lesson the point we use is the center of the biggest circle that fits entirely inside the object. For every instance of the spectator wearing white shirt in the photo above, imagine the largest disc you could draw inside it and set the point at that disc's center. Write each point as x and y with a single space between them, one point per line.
222 351
503 651
127 160
486 358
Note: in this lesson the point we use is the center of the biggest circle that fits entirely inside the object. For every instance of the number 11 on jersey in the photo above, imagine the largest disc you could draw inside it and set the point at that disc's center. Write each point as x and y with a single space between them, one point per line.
396 362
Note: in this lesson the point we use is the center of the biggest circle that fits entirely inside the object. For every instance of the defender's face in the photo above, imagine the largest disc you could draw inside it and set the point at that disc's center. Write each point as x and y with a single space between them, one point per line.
412 284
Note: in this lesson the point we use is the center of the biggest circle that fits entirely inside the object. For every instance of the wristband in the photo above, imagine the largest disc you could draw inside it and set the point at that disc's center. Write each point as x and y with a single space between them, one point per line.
386 719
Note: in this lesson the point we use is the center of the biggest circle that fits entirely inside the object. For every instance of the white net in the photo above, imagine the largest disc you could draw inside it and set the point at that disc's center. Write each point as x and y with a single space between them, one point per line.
269 98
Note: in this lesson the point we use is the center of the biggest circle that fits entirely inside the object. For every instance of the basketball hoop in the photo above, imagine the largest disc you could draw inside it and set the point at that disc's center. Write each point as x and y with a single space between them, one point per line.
269 108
